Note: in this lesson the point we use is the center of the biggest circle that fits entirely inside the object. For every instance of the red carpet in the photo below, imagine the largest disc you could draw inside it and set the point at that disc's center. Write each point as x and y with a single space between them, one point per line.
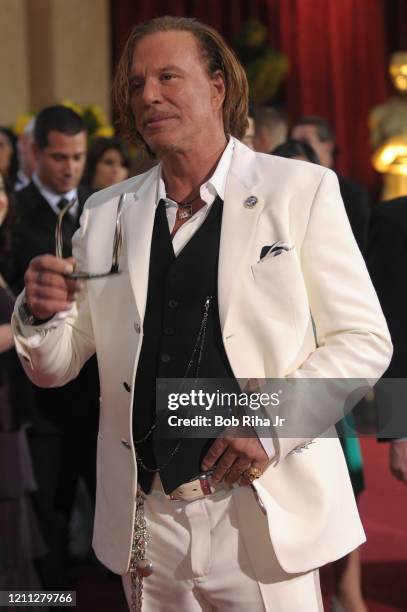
383 507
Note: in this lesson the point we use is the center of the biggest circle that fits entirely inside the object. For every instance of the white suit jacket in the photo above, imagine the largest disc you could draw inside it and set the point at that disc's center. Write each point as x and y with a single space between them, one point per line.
265 311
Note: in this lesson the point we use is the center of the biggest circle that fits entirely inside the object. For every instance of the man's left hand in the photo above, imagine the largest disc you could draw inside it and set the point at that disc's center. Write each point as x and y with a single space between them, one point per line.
398 459
230 457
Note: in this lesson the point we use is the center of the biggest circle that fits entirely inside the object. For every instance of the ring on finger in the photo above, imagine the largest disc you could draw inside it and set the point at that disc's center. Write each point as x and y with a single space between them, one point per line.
252 473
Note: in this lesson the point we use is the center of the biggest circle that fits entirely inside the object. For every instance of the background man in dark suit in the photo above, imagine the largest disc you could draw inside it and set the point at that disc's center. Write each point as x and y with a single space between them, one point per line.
64 425
320 136
60 144
387 260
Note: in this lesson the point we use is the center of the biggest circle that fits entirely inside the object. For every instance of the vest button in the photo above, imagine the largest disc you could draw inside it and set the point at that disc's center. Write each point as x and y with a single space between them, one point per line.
172 303
137 328
165 358
127 387
168 331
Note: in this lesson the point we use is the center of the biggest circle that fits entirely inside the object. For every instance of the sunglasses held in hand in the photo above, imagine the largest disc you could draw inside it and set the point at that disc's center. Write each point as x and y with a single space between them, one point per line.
117 243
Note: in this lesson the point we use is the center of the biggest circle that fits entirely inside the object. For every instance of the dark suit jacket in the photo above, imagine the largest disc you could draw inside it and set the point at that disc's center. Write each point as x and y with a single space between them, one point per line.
358 208
387 263
75 406
34 230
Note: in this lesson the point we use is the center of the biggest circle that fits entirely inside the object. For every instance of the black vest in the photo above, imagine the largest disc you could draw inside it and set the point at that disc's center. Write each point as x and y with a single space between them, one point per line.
177 290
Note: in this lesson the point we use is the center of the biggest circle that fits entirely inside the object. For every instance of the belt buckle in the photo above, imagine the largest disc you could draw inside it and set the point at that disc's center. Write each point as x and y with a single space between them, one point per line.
204 482
183 492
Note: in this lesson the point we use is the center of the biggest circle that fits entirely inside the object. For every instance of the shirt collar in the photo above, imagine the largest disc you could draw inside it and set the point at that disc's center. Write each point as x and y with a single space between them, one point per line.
22 180
214 186
51 197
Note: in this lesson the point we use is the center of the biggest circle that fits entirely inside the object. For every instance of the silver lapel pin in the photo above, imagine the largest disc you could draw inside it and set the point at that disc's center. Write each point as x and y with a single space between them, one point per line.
250 202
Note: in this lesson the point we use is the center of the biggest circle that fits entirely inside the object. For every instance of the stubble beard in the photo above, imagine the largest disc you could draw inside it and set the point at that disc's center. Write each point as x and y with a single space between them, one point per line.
160 150
166 149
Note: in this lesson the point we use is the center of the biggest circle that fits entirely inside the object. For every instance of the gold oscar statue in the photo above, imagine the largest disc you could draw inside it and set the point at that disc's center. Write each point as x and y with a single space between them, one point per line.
388 128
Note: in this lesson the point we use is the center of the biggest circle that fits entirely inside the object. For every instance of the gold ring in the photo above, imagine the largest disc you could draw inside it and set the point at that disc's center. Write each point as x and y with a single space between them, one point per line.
252 473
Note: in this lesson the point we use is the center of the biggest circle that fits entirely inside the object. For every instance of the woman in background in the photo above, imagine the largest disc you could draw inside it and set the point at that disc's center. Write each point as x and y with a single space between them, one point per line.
8 156
20 540
107 163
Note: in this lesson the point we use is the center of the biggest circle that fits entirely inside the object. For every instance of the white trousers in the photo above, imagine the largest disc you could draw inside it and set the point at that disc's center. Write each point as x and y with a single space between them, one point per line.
201 563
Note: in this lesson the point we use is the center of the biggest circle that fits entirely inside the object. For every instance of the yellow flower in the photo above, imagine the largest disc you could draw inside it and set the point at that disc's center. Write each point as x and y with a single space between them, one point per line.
106 131
98 114
21 123
73 106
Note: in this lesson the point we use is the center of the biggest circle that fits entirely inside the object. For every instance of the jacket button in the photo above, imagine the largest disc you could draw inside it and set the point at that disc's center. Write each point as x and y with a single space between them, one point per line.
127 387
165 358
172 303
168 331
137 327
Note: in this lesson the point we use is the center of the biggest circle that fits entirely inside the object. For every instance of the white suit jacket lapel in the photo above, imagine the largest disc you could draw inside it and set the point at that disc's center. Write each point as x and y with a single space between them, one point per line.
238 223
138 222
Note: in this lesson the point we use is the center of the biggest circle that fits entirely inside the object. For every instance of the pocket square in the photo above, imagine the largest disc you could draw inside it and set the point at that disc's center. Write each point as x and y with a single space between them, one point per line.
274 249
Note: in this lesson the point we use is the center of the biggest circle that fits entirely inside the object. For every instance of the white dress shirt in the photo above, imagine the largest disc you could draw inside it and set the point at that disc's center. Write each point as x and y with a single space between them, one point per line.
215 186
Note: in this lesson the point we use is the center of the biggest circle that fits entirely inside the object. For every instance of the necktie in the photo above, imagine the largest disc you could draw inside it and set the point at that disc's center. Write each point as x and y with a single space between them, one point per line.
68 226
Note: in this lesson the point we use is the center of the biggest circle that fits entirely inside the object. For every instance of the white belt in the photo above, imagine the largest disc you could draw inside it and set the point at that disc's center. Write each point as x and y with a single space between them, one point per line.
193 490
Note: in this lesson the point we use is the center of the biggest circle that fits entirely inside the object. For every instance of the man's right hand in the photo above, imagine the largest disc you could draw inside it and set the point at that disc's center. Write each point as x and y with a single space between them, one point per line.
47 290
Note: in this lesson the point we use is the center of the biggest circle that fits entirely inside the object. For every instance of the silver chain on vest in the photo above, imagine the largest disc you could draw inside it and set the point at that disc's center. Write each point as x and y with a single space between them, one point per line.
140 566
198 349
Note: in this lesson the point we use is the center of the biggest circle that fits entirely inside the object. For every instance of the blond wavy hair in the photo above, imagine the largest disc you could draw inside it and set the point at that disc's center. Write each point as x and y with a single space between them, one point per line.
215 53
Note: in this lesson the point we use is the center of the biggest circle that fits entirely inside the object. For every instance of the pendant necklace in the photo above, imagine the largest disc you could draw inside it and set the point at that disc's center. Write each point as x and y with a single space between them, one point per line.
184 210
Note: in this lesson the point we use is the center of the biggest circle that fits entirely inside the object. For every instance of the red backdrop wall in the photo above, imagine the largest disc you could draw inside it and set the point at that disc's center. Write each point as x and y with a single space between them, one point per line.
338 54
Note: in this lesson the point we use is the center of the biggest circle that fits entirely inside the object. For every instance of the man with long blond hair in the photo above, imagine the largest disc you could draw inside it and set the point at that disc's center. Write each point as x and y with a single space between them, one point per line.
228 259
